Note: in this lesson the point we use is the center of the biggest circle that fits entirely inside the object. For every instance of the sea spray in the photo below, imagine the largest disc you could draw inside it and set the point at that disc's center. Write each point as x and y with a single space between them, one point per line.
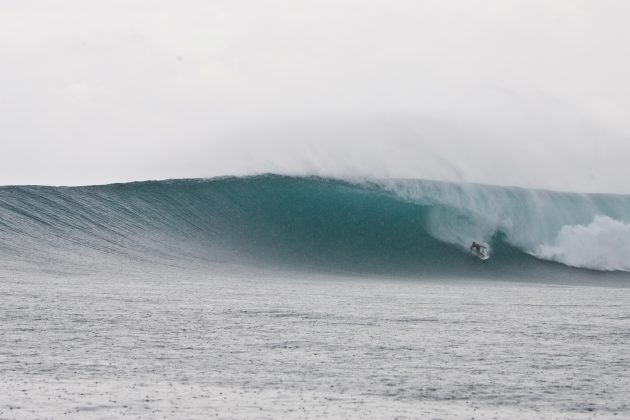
604 244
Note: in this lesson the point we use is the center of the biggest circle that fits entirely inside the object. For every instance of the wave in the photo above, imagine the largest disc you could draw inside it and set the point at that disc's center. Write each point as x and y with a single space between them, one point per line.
415 227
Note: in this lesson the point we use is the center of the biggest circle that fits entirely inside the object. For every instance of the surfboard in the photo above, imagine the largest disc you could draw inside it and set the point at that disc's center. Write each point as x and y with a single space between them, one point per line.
481 254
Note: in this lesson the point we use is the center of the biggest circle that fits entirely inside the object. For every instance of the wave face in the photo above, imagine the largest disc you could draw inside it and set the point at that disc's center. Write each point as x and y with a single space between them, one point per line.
411 227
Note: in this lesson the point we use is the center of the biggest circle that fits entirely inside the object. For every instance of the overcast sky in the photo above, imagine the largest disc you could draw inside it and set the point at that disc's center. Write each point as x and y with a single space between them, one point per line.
529 93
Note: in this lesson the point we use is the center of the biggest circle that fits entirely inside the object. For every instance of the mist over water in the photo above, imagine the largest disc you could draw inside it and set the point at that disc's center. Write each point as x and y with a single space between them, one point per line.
527 94
495 149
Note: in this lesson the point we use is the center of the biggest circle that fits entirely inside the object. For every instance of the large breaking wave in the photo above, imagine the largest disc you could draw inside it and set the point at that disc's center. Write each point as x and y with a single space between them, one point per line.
415 227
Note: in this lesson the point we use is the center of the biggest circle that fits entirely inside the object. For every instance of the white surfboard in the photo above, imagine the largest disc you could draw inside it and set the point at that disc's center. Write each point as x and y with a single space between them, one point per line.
482 254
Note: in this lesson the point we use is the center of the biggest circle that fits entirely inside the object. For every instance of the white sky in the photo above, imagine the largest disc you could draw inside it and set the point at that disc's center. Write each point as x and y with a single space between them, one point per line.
529 93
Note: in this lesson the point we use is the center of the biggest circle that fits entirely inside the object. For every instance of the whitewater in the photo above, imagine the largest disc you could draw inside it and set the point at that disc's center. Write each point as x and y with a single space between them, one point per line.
276 296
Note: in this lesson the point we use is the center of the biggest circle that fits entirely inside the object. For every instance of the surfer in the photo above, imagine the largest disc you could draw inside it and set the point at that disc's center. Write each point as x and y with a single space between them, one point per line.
479 251
477 247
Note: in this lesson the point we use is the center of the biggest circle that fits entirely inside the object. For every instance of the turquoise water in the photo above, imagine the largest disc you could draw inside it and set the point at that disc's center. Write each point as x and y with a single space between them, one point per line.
406 227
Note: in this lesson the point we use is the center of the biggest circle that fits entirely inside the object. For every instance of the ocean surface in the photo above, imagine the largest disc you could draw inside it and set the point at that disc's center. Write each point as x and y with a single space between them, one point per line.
303 297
